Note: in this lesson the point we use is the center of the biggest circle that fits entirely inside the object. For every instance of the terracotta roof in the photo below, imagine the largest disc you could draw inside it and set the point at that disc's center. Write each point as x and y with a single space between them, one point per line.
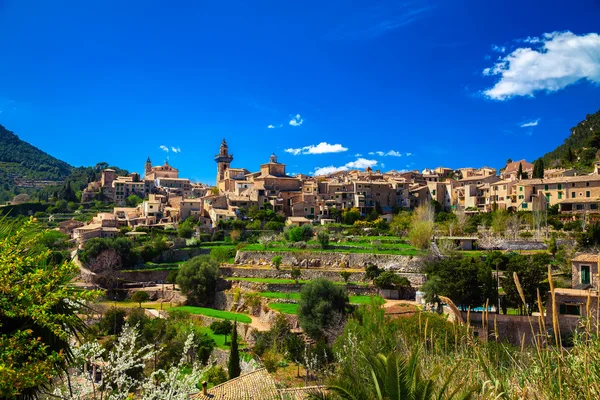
256 385
300 393
586 258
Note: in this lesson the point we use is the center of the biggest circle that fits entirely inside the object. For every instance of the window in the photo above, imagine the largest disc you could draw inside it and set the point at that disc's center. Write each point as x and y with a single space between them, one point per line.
520 188
587 184
579 207
559 195
545 187
572 185
585 274
572 195
547 197
569 309
593 206
524 205
433 192
587 193
521 197
559 186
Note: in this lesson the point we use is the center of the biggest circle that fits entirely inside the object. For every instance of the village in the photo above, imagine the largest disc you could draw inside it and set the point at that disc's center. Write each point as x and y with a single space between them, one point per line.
346 224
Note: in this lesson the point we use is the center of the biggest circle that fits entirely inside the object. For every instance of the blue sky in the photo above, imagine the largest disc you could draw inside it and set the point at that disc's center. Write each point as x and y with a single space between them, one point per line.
424 83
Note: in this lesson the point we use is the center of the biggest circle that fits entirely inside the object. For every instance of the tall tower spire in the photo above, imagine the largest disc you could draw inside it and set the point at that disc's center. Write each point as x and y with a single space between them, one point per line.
148 167
223 159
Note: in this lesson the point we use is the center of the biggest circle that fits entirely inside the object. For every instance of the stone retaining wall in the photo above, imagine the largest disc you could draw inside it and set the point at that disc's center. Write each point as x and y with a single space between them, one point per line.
324 259
415 279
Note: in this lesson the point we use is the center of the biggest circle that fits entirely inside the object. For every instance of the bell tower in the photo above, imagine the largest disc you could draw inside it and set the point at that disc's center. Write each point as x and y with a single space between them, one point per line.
148 167
223 159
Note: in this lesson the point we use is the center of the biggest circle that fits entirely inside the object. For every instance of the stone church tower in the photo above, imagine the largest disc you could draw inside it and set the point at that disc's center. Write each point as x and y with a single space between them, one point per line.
223 159
148 167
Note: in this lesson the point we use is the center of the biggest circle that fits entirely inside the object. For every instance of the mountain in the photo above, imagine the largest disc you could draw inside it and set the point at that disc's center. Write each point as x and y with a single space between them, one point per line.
24 167
24 161
580 149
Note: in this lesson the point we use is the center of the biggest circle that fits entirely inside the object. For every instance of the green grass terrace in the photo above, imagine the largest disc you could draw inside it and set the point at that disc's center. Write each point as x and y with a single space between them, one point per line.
369 247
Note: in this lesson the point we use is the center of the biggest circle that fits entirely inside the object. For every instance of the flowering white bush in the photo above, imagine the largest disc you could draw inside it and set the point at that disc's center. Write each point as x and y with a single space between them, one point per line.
119 380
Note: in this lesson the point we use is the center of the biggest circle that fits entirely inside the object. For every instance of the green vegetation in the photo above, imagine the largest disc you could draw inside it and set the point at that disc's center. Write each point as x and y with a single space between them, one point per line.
233 365
322 307
38 314
400 249
197 278
579 148
285 308
285 281
210 312
296 296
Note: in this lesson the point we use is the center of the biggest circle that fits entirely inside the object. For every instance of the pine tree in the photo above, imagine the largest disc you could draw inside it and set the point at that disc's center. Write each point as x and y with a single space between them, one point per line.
234 355
538 169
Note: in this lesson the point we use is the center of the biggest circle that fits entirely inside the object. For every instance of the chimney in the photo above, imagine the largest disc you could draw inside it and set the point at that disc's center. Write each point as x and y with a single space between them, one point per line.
204 386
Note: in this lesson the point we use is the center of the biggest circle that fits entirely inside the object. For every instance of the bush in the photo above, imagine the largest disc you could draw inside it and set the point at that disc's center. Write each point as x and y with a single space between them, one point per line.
420 234
271 361
299 233
323 239
295 273
197 278
216 375
113 321
220 254
389 280
277 261
140 297
273 226
321 303
221 327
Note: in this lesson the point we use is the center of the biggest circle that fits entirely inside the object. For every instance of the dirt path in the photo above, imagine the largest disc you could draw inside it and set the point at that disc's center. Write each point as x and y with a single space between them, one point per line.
259 325
393 303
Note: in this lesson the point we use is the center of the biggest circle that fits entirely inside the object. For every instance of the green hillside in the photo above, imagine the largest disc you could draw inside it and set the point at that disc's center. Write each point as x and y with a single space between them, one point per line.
579 149
21 160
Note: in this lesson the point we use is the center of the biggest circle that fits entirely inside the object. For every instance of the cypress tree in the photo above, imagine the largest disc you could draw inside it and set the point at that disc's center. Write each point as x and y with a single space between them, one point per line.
520 172
234 355
538 169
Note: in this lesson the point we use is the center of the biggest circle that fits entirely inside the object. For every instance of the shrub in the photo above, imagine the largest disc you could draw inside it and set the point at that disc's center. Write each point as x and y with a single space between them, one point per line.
221 327
197 278
323 239
276 261
295 273
140 297
216 375
271 361
113 321
235 235
220 254
389 280
321 305
345 275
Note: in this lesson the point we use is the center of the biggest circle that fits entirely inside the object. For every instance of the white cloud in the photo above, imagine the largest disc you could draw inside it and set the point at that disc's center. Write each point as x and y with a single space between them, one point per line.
296 120
321 148
175 149
390 153
271 127
498 49
358 155
408 154
558 60
165 148
360 163
530 123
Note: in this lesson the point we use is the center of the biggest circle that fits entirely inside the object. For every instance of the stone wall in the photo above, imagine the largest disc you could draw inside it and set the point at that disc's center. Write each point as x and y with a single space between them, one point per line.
415 279
332 260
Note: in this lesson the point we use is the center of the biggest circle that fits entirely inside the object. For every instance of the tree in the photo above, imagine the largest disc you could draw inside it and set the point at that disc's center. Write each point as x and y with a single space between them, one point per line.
321 303
372 271
113 321
197 278
468 281
350 216
432 288
105 266
38 312
133 200
221 327
552 246
140 296
220 254
538 169
345 275
277 261
323 239
520 172
295 274
390 280
233 365
185 229
532 272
